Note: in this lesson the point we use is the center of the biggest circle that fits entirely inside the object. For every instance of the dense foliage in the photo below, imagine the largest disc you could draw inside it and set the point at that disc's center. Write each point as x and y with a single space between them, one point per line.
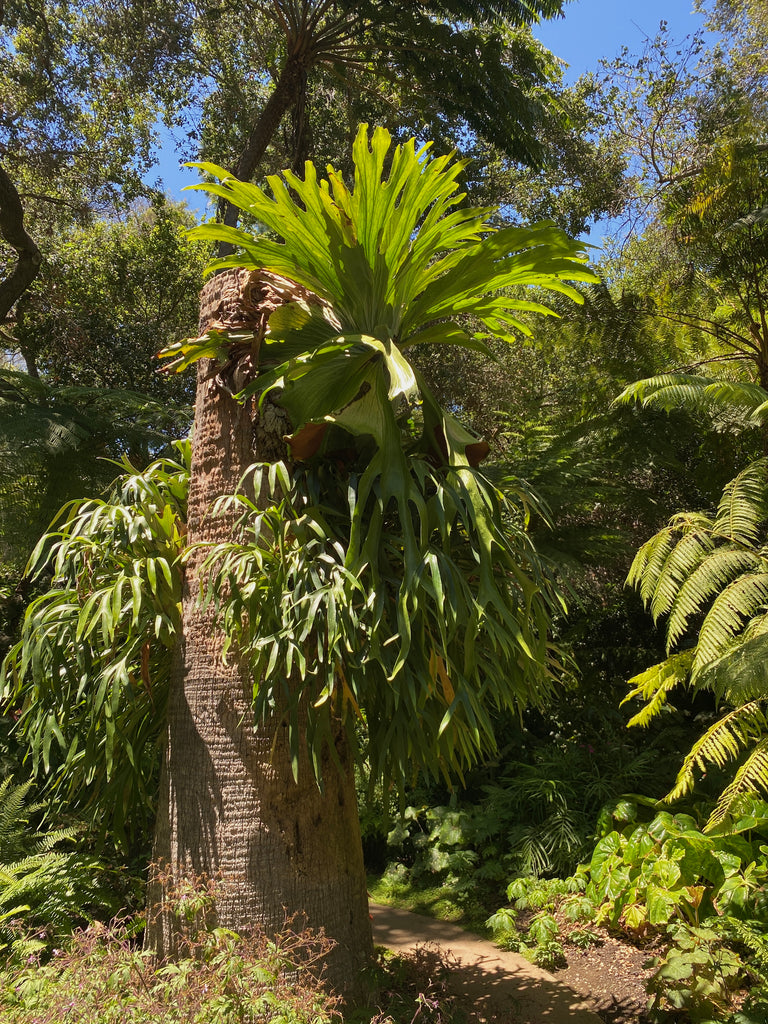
378 562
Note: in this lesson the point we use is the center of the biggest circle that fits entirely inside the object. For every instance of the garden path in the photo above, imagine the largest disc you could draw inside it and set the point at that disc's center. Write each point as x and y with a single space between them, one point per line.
497 987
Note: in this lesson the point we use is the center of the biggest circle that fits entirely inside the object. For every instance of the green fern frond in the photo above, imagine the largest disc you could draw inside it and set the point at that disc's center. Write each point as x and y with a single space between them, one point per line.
740 674
14 817
655 683
684 558
752 777
745 597
648 564
743 507
727 403
722 743
723 566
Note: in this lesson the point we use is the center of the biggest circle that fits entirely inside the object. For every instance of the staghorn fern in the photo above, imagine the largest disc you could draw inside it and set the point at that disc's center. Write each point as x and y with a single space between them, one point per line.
708 575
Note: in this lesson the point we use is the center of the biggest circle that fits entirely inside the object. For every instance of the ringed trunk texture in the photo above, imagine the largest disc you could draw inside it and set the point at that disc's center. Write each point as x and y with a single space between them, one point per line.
229 807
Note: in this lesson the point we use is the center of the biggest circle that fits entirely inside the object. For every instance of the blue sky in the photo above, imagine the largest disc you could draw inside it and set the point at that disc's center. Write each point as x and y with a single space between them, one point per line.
591 29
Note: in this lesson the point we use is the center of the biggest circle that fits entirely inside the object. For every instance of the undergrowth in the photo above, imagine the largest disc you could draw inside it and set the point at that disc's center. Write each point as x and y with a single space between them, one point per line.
102 975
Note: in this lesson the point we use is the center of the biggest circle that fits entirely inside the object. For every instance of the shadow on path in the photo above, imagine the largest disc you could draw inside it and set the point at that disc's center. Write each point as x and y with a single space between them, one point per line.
501 987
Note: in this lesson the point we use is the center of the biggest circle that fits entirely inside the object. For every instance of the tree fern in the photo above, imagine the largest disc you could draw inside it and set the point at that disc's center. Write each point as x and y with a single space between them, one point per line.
684 557
714 571
721 743
649 563
743 507
656 683
721 567
738 603
751 777
729 404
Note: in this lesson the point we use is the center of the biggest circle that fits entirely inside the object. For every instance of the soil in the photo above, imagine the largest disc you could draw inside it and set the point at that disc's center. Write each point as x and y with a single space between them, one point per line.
611 976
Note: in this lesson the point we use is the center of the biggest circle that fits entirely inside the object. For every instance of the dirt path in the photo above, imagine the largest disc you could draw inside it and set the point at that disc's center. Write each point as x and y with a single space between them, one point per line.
499 987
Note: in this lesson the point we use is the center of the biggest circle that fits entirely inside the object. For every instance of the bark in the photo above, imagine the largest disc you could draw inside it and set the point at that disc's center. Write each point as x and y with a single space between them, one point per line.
229 807
13 231
285 95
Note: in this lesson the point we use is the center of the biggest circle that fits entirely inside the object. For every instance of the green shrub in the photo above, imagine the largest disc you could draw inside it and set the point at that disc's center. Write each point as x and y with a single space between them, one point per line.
220 978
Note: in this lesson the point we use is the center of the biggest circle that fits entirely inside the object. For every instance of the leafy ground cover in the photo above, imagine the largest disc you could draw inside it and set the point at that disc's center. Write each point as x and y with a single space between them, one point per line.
102 975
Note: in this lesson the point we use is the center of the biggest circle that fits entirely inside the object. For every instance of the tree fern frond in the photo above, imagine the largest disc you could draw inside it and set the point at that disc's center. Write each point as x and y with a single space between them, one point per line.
740 675
729 403
730 610
744 504
720 744
752 777
683 559
723 566
655 683
649 562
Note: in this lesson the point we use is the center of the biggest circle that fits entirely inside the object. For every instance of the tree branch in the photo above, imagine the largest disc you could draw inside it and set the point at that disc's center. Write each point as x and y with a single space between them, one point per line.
12 229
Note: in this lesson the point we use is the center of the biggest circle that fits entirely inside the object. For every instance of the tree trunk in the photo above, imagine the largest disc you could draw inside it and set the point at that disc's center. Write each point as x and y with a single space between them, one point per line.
229 807
13 231
284 96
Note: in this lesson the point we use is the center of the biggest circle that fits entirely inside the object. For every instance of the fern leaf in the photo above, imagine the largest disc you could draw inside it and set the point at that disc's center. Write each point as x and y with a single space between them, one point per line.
655 683
723 566
744 504
731 609
727 403
751 777
649 562
660 391
741 674
721 743
683 559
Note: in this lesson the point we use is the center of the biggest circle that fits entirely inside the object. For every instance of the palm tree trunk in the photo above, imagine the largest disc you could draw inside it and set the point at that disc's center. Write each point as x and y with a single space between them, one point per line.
229 807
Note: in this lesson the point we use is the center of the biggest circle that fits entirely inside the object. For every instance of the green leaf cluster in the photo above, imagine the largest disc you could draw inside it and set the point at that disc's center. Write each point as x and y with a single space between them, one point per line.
439 631
89 675
44 890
